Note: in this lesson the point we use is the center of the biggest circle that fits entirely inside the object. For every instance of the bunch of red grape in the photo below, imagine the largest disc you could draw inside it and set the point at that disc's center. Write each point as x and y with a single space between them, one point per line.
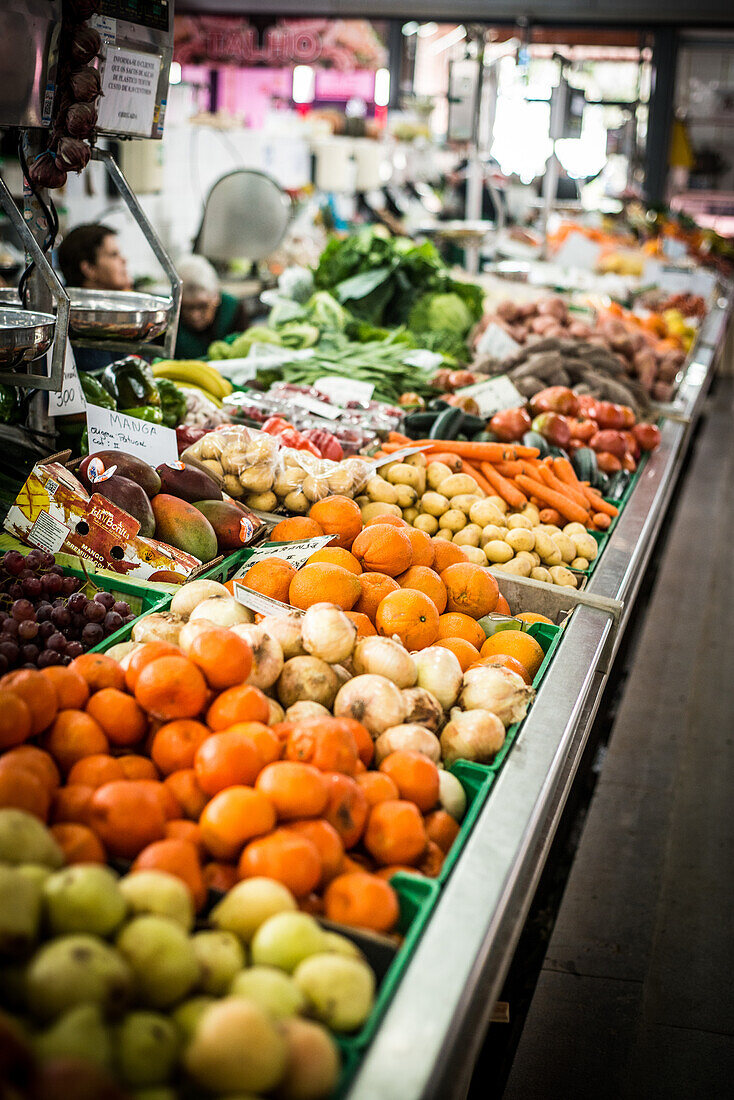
44 617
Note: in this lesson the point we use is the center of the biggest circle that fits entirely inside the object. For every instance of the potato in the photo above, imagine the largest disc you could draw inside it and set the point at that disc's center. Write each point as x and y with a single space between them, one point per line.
586 545
402 474
380 491
519 521
499 503
297 502
527 559
232 487
550 529
467 536
485 512
532 513
341 480
409 514
536 557
264 502
426 523
541 574
473 553
465 501
562 576
566 546
361 501
453 520
384 470
444 533
550 554
315 488
369 511
436 473
257 479
574 529
288 479
406 496
418 459
498 552
519 538
580 563
434 504
459 483
492 531
518 567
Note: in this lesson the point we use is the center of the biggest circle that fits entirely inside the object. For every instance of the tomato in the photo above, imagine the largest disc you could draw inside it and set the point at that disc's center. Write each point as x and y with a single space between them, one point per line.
647 436
553 427
608 415
610 442
629 463
608 463
510 425
633 446
557 399
629 416
582 429
460 378
587 405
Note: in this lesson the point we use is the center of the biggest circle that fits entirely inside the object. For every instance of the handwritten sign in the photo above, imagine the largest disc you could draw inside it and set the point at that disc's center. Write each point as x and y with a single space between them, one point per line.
263 605
70 398
114 431
493 395
343 390
497 343
296 553
129 85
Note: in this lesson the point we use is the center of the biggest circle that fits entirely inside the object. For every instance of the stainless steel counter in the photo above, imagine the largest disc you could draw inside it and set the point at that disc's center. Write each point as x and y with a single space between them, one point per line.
431 1033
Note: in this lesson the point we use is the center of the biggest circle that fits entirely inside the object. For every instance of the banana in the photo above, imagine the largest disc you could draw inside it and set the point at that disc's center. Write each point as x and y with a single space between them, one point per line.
195 372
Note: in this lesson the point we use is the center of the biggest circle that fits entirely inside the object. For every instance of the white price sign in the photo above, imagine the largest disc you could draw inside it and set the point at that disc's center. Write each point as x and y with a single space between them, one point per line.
70 398
263 605
343 390
494 395
497 343
296 553
318 408
129 85
578 251
114 431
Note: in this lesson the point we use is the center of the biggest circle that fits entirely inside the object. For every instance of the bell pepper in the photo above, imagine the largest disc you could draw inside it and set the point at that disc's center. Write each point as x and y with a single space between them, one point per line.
94 392
145 412
326 443
275 425
131 383
173 402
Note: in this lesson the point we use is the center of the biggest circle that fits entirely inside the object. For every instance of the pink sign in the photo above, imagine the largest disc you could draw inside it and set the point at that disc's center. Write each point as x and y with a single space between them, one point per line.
331 84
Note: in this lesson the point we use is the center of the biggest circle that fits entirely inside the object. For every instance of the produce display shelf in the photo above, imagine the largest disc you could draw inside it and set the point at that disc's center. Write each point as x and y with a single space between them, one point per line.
433 1029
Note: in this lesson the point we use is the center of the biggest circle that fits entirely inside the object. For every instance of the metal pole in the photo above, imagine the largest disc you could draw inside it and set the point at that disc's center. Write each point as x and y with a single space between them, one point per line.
474 168
660 118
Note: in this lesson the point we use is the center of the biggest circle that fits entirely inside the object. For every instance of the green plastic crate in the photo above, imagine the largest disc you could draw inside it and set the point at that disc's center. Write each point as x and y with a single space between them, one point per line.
476 779
141 601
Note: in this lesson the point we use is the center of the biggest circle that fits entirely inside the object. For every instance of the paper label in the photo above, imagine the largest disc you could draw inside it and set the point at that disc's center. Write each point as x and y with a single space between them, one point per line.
398 456
296 553
114 431
343 390
318 408
48 533
578 251
423 359
263 605
494 395
497 343
129 85
70 398
96 471
107 27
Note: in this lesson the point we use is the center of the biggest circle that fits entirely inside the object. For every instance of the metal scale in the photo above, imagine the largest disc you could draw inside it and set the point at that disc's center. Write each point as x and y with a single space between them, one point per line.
137 37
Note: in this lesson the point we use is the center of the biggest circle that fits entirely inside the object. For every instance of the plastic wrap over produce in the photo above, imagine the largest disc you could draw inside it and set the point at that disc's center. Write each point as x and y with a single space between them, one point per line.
254 467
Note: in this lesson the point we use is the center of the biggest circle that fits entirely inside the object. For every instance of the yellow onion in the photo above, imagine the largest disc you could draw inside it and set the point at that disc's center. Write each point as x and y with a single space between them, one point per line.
497 689
267 656
287 630
439 672
307 678
475 735
452 795
408 738
328 633
385 657
305 710
423 709
373 700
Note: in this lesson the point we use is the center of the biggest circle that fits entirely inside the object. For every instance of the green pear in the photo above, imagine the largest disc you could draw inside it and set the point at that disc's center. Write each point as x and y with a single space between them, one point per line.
270 988
84 898
36 872
314 1063
73 970
24 839
340 991
159 893
220 956
186 1016
287 939
244 908
146 1048
79 1033
236 1047
162 959
336 944
20 911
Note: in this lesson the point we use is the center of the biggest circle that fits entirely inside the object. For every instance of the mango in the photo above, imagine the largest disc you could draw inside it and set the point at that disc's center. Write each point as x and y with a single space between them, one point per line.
187 482
128 495
129 466
229 523
181 525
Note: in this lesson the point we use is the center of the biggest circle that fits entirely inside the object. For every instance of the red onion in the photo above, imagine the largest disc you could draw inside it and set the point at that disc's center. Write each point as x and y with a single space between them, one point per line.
85 45
44 172
85 84
81 118
72 154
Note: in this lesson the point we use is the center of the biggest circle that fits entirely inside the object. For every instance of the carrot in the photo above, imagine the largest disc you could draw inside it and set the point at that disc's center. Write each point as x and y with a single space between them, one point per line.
481 481
598 503
568 508
550 515
548 478
452 461
601 521
504 487
398 437
390 448
565 472
481 452
508 469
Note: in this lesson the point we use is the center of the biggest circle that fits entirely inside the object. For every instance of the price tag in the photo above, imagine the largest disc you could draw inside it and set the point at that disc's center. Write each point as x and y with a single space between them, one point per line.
129 85
497 343
578 251
494 395
70 398
318 408
423 359
114 431
343 390
296 553
263 605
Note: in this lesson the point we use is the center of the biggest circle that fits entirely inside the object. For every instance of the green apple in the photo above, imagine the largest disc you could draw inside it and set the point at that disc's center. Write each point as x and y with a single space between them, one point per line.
272 989
162 958
340 991
248 904
20 912
159 893
73 970
24 839
186 1016
287 939
79 1033
84 898
336 944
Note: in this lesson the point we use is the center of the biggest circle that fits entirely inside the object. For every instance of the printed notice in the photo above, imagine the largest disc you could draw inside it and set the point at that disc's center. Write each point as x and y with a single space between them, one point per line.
70 398
493 395
114 431
129 84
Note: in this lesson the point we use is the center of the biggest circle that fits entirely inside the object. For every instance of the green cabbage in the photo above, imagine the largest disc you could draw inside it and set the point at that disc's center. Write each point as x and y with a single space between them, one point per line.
442 312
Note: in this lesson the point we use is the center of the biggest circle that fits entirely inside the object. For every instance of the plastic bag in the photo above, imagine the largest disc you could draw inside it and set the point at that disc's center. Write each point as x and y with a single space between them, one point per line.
243 462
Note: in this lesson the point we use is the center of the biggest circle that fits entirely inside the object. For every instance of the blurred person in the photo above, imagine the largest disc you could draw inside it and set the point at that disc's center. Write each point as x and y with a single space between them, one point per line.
207 313
89 256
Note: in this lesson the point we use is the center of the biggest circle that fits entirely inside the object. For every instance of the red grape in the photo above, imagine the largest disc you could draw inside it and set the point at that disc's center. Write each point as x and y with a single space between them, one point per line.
94 612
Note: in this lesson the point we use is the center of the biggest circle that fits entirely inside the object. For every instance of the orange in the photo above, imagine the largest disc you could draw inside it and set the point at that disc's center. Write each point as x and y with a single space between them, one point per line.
15 720
324 584
182 829
517 644
71 688
339 516
234 817
73 736
327 842
223 657
127 815
395 832
374 588
95 771
377 787
98 671
395 869
422 544
176 857
326 743
415 776
171 687
455 624
38 694
334 555
362 900
362 739
502 608
187 792
501 660
295 528
220 876
365 629
285 856
72 804
296 790
382 548
471 589
347 808
464 651
410 615
387 517
531 617
226 759
139 658
137 767
442 829
431 861
119 716
447 553
267 744
23 790
78 843
422 579
33 760
271 577
174 744
238 704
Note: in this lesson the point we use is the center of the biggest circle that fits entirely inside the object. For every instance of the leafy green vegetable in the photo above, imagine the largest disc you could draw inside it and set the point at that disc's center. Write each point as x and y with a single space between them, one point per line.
324 310
296 283
173 402
444 312
448 344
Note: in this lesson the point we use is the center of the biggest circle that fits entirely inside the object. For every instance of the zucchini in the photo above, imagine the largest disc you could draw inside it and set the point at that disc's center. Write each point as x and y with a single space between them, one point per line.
557 452
535 439
602 483
447 424
484 437
438 404
472 424
619 484
584 464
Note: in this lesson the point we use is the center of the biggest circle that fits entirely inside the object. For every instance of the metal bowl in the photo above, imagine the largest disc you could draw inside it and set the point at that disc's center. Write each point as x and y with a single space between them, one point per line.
9 296
117 314
467 232
24 336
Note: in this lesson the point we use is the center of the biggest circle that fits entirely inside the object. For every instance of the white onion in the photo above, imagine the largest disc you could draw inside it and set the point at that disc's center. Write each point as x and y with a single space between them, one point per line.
475 735
195 592
423 709
304 710
287 630
372 700
385 657
122 652
277 714
452 795
161 626
191 630
408 738
307 678
497 689
439 672
328 633
267 656
222 611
